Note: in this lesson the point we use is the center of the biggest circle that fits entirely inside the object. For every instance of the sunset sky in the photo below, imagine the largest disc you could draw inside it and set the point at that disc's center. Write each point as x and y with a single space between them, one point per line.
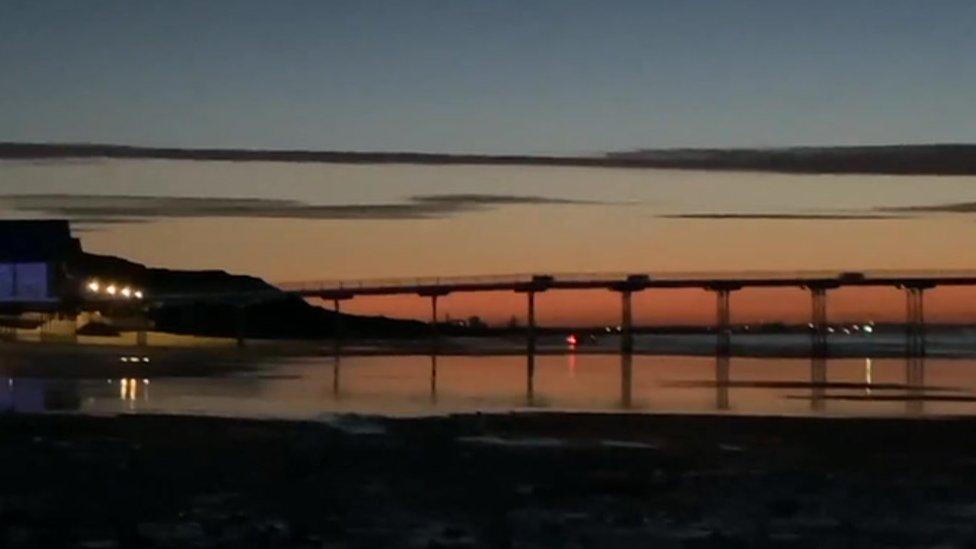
557 78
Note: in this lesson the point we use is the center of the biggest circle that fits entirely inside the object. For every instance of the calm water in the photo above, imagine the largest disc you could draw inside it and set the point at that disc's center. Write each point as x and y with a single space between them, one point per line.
421 385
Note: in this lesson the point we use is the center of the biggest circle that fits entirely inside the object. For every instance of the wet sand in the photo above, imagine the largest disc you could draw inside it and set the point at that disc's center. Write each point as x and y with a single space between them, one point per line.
510 480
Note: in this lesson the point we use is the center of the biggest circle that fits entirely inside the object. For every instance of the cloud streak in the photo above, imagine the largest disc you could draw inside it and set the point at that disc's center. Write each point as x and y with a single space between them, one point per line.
783 216
104 209
953 207
934 159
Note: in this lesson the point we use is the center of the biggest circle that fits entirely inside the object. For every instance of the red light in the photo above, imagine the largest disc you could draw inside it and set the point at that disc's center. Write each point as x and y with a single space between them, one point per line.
571 340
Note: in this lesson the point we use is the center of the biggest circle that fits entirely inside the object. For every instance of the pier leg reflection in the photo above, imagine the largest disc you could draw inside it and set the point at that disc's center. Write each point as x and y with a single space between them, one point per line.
336 367
530 379
722 363
915 380
433 379
818 383
626 380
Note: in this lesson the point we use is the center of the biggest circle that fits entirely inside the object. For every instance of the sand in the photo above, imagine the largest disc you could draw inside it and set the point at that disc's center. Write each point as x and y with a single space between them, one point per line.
511 480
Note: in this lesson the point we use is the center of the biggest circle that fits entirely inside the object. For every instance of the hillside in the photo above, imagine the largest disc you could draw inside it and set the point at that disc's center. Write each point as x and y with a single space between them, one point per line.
269 314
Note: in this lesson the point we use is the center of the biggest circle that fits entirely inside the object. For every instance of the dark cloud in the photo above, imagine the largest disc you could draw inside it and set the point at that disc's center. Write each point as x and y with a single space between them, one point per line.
49 161
495 199
954 207
102 209
784 216
936 159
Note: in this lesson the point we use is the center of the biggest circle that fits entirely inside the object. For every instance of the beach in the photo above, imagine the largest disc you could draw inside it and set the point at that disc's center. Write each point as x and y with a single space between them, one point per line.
506 480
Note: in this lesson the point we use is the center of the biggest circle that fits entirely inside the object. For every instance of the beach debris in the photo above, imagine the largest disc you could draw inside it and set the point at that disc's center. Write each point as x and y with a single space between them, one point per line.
354 424
517 442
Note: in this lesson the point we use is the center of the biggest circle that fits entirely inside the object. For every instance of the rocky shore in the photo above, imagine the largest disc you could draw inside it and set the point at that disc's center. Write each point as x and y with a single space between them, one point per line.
513 480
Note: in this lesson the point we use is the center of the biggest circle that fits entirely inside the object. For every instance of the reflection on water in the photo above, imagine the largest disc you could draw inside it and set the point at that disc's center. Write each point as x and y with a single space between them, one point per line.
131 389
397 385
626 380
433 379
867 377
722 382
915 379
336 369
818 382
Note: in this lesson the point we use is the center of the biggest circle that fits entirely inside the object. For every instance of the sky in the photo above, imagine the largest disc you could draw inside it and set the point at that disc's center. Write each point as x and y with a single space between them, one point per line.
288 222
557 77
540 77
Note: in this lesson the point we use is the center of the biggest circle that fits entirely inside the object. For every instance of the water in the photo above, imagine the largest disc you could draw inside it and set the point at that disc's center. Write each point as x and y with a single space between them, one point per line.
317 387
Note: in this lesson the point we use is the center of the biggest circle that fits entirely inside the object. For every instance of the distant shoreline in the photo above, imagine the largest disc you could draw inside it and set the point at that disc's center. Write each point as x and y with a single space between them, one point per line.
179 353
934 159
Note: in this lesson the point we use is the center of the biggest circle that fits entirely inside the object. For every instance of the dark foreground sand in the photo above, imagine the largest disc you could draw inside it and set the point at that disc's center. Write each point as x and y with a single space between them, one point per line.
527 480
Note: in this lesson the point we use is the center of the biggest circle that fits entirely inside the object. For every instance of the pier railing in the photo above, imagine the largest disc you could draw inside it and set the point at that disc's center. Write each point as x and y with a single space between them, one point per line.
798 277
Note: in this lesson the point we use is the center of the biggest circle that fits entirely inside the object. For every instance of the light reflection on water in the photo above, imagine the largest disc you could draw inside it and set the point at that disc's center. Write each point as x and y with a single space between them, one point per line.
418 385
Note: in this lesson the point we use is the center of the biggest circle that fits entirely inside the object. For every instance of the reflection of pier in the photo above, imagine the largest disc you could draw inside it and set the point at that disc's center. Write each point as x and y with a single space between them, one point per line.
722 378
915 382
818 382
626 380
336 370
433 379
624 389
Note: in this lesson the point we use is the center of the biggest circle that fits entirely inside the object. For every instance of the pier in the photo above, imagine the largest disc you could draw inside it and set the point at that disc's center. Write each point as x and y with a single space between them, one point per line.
819 284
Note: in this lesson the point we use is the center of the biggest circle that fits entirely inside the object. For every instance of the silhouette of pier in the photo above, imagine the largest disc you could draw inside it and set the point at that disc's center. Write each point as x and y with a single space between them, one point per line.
818 283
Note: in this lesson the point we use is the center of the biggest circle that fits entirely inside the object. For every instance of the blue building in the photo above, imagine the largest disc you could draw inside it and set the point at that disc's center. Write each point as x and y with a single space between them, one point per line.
33 263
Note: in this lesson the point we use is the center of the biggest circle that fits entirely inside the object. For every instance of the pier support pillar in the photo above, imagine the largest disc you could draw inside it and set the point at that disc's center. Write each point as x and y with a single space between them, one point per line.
539 283
818 318
914 321
627 287
337 328
626 323
723 324
434 294
530 379
434 332
530 322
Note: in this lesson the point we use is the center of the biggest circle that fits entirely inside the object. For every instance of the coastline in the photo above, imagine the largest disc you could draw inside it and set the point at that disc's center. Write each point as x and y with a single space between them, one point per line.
951 344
